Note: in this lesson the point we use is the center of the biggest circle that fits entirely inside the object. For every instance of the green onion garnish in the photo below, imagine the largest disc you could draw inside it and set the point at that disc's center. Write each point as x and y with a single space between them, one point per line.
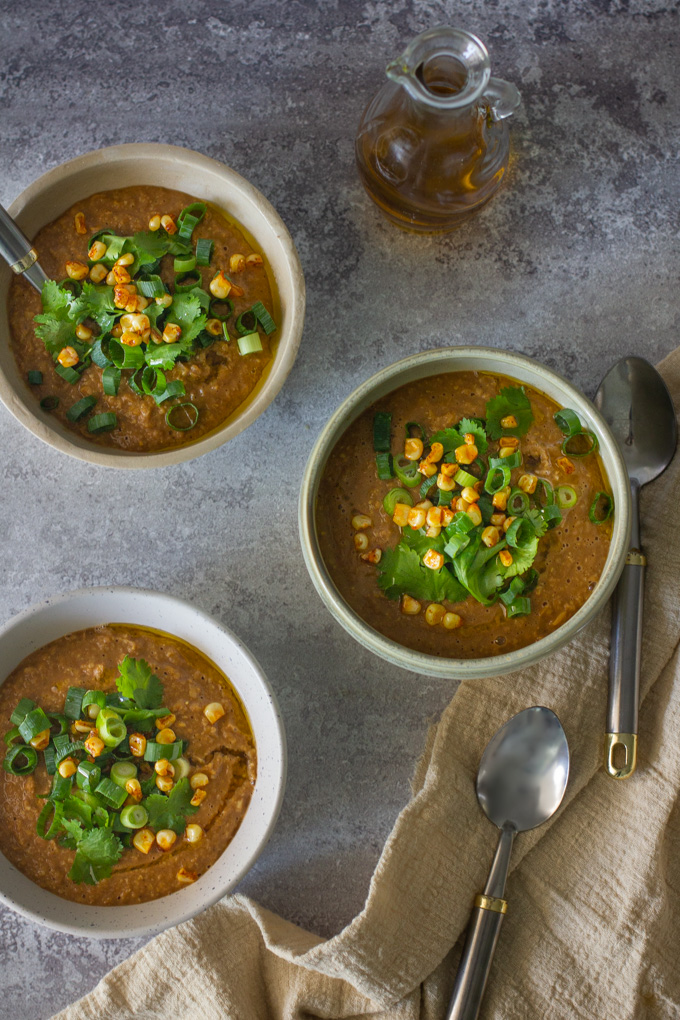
98 354
184 282
263 317
518 502
444 498
102 422
20 760
566 497
88 776
406 471
66 747
67 373
11 736
111 792
516 588
34 377
520 607
382 428
214 306
249 344
204 248
49 403
122 772
21 711
34 723
425 487
42 828
395 496
513 460
74 702
155 751
184 263
545 490
152 286
602 508
110 727
191 413
383 463
573 445
246 323
412 426
97 698
134 816
552 515
568 421
56 719
464 478
61 787
497 479
124 356
111 380
50 760
189 218
521 533
80 408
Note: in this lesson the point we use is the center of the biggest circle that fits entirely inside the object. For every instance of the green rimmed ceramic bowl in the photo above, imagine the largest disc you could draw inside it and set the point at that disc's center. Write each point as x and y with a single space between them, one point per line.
420 366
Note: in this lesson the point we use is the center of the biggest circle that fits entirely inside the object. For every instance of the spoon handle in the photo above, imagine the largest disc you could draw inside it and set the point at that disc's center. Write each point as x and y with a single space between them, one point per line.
18 252
624 661
482 936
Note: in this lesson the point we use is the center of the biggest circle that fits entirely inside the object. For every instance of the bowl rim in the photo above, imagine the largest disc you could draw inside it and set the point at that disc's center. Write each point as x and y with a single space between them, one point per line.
91 926
288 340
390 378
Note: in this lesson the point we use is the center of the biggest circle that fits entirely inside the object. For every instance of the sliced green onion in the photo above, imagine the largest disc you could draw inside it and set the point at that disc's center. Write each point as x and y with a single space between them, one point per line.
111 380
518 502
464 478
246 322
65 747
122 772
263 317
415 425
61 741
182 769
407 472
566 497
88 776
21 711
152 286
49 403
568 421
602 508
444 498
110 727
395 496
382 432
34 377
552 515
102 422
513 460
516 588
50 760
111 792
134 816
34 722
80 408
175 388
213 311
56 809
462 523
521 533
170 413
184 263
189 218
97 698
520 607
249 344
204 249
497 478
593 444
11 736
20 760
73 705
425 487
184 282
67 373
61 787
98 354
383 463
125 356
58 720
544 489
530 580
155 751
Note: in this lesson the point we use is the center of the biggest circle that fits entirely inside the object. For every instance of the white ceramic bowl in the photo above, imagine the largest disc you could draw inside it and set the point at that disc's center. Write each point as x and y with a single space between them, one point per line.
92 606
420 366
183 170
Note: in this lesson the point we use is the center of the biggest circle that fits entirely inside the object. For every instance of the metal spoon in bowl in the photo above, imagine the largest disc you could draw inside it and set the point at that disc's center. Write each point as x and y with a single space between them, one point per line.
18 252
635 403
520 784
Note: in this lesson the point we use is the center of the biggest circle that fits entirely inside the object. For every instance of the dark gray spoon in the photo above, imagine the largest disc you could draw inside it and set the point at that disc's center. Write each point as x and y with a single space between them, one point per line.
18 252
635 402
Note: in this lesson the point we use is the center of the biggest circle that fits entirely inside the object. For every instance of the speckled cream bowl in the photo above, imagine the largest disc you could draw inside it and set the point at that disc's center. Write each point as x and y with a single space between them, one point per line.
170 167
90 607
421 366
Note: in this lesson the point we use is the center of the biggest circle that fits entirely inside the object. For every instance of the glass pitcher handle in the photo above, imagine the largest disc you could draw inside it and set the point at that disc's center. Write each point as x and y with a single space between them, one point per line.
502 98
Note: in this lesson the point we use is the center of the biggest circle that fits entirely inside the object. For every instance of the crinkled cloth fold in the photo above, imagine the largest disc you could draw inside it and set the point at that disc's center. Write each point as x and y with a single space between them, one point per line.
593 929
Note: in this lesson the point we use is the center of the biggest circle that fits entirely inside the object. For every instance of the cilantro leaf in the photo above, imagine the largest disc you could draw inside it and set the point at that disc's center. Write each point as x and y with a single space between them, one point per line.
478 569
98 850
469 425
450 439
401 572
512 400
538 521
149 247
136 681
95 303
163 355
55 326
522 558
186 312
169 812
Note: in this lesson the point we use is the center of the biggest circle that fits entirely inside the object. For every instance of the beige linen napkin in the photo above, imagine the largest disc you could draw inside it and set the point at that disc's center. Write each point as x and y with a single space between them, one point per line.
593 928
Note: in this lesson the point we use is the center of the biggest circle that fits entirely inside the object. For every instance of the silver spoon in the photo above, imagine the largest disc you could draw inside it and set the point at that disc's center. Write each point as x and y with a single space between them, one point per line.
520 784
634 401
18 252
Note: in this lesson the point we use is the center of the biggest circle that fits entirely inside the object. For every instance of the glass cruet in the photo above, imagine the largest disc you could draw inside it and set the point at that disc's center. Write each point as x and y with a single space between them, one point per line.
433 144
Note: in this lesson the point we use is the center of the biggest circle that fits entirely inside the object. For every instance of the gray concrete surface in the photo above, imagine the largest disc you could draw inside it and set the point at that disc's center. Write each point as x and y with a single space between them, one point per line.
575 263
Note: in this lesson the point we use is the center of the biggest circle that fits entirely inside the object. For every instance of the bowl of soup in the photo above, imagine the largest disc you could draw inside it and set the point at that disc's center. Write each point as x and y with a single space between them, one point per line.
144 762
173 314
465 512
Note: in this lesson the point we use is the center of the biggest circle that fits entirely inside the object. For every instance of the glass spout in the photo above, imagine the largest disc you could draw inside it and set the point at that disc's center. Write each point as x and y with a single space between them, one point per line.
445 68
503 98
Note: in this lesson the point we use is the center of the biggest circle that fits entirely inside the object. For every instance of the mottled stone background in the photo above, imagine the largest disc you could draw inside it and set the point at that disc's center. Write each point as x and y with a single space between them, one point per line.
575 263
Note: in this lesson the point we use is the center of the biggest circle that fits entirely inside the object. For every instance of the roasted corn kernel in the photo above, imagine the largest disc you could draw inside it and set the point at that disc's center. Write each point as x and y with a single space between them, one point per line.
469 494
500 499
165 783
416 518
97 251
433 559
445 482
68 357
137 743
198 780
434 614
214 327
413 448
427 470
166 736
40 740
507 522
134 788
168 224
491 536
171 332
409 606
166 838
436 453
361 521
77 270
166 720
360 541
505 556
528 483
98 273
193 833
237 263
254 259
451 621
508 442
220 286
213 711
143 840
94 744
466 454
474 513
400 515
155 222
567 466
509 422
163 767
79 223
186 876
131 339
67 768
374 556
198 798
